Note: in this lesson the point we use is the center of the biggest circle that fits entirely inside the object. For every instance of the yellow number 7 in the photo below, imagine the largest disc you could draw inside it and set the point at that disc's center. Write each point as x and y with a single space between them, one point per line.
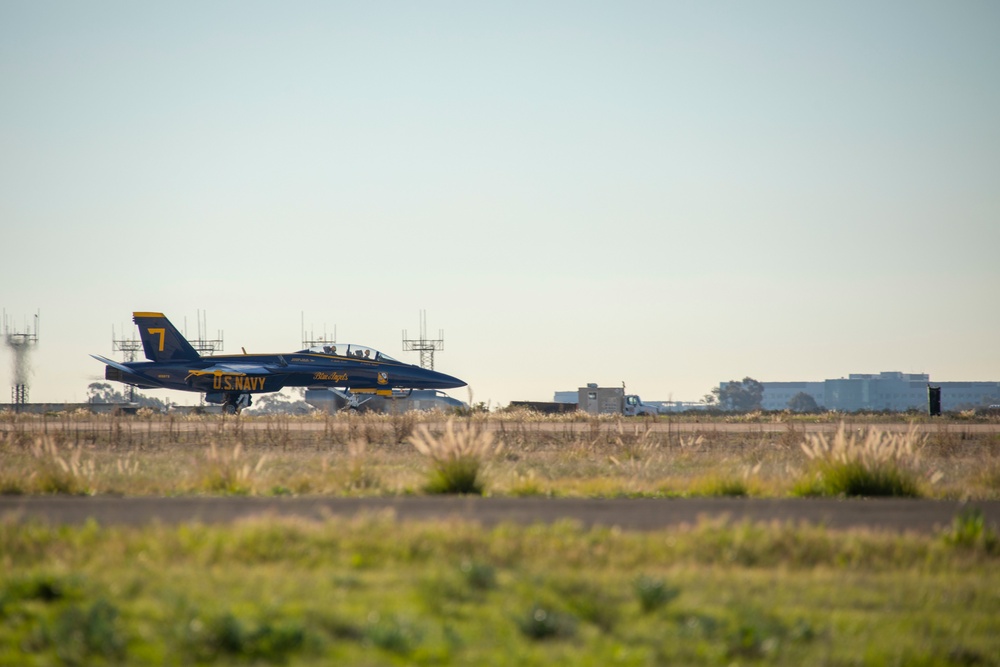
162 333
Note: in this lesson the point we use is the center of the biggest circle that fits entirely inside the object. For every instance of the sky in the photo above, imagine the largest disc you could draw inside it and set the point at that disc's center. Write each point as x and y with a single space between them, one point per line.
665 194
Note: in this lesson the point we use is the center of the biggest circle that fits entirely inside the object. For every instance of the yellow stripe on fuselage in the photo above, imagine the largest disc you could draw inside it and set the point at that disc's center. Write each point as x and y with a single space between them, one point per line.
378 392
215 373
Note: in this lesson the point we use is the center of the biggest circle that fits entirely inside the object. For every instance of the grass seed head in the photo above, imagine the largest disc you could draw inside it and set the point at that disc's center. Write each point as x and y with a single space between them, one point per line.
868 463
456 456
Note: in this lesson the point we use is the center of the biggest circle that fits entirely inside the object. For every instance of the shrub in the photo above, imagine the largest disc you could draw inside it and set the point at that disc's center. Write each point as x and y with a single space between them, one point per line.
541 623
61 472
226 473
591 602
359 475
970 531
653 593
456 457
526 485
270 641
479 576
393 634
78 634
715 485
879 464
43 587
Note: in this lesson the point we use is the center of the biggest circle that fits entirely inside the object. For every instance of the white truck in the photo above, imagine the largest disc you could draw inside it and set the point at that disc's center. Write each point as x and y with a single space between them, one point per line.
596 400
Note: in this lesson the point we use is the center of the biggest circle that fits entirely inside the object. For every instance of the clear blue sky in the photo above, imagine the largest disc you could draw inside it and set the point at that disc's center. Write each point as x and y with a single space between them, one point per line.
670 194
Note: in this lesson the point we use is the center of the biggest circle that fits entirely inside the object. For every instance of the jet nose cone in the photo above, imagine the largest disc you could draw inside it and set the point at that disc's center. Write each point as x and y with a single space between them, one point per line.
453 382
443 381
424 378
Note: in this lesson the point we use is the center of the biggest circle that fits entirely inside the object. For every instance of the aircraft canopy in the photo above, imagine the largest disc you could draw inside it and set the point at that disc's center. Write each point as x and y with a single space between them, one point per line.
362 352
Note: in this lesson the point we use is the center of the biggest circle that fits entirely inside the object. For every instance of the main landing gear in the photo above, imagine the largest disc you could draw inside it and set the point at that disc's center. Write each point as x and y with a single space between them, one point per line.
235 403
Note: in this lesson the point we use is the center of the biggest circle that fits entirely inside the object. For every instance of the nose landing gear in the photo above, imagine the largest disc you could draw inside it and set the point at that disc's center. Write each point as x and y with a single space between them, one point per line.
235 403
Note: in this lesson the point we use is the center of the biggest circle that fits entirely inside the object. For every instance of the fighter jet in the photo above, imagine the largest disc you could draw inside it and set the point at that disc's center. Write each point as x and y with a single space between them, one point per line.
232 379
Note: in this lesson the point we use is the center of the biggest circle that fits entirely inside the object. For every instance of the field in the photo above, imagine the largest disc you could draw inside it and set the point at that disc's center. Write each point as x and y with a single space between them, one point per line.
373 590
374 455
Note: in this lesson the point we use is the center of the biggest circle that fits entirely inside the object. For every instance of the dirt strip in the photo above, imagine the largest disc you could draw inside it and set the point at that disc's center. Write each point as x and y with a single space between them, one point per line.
893 515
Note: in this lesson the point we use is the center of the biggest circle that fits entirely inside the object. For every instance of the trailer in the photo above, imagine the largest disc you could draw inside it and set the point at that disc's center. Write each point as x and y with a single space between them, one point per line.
596 400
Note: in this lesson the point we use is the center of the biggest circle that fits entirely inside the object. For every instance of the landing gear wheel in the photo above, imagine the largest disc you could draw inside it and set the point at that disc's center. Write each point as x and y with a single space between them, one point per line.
235 403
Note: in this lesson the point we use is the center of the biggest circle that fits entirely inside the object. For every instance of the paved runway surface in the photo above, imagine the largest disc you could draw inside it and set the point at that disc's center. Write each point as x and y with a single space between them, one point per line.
894 515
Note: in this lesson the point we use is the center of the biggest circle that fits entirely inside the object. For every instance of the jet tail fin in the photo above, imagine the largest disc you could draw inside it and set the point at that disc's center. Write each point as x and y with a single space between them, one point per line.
161 341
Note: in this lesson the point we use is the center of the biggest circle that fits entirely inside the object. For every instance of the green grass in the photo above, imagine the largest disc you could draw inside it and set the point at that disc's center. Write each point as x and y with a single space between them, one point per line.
714 485
856 479
969 530
372 591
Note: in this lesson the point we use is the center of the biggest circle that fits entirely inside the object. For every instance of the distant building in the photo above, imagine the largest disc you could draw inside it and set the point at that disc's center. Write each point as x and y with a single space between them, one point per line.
890 390
566 396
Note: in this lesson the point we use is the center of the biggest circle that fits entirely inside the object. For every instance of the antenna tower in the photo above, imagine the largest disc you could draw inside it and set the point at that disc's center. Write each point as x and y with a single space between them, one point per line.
21 342
128 347
202 343
311 340
423 345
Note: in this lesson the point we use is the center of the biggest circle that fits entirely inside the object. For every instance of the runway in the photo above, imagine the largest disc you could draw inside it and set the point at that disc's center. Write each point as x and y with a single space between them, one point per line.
641 514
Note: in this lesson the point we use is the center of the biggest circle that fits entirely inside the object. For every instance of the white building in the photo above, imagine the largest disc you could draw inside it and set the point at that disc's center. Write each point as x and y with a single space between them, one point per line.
890 390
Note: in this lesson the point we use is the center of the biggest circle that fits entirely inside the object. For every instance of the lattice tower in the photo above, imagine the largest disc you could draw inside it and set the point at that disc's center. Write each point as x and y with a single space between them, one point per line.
425 346
129 347
203 344
21 343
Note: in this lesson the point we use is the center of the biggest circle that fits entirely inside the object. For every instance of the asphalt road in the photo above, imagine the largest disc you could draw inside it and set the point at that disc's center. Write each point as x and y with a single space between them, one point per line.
893 515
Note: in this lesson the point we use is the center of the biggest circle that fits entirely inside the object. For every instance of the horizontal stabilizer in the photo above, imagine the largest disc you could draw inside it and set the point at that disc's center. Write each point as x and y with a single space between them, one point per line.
114 364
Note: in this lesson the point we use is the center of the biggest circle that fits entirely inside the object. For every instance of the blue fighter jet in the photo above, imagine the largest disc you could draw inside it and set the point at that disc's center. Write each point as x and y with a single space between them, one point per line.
231 379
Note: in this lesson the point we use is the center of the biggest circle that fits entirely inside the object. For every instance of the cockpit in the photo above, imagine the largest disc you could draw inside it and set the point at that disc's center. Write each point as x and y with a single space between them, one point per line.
361 352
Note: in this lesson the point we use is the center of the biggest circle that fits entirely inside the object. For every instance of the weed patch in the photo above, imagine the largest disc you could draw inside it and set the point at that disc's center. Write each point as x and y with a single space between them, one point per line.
969 530
877 464
456 457
653 593
539 623
227 635
716 486
226 472
61 470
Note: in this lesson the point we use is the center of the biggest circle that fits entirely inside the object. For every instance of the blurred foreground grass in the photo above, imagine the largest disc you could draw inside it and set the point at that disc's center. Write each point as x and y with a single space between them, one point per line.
374 591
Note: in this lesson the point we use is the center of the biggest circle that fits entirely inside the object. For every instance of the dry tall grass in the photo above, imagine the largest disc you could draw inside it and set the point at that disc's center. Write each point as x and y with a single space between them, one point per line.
366 454
457 456
223 470
869 463
61 469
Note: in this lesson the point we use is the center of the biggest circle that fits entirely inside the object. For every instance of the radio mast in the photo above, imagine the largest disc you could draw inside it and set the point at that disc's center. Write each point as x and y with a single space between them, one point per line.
425 346
128 347
21 343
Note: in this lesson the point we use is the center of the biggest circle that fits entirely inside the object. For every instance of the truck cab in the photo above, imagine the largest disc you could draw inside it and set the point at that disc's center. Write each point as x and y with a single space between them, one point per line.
634 407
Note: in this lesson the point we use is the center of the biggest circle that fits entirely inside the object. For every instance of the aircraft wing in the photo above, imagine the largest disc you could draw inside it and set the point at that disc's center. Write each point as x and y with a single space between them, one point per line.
233 369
